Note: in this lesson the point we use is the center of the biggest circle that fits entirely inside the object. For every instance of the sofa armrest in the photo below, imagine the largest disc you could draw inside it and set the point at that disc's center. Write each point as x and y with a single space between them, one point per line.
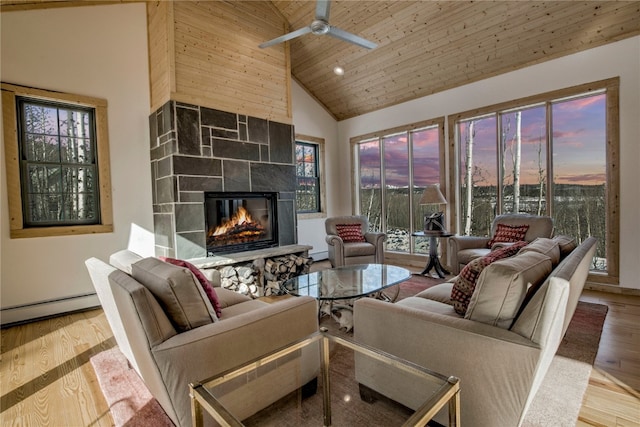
496 367
375 238
335 246
458 243
211 349
333 240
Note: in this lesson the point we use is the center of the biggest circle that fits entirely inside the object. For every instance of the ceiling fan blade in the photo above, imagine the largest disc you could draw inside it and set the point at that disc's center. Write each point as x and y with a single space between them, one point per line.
351 38
322 9
288 36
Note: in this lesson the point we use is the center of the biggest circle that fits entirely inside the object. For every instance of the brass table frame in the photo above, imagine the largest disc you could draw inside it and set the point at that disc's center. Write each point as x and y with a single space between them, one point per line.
448 392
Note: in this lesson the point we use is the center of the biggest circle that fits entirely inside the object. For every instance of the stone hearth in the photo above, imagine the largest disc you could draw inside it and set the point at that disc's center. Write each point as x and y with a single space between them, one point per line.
196 149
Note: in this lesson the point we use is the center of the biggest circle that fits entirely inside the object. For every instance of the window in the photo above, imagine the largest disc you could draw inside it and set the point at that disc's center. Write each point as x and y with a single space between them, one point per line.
309 176
393 169
57 163
553 154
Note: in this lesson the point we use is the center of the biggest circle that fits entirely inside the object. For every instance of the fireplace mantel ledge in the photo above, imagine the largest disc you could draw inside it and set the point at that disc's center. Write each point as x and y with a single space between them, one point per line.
238 257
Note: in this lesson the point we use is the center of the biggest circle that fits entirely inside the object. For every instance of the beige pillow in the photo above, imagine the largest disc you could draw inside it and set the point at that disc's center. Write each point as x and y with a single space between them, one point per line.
178 292
566 244
502 287
544 246
123 259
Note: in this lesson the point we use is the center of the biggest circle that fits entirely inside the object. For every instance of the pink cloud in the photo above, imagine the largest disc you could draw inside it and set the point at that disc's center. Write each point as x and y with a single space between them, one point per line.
584 179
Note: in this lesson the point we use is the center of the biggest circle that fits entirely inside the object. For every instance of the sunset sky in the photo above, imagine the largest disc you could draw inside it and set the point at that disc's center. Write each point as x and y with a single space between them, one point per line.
579 141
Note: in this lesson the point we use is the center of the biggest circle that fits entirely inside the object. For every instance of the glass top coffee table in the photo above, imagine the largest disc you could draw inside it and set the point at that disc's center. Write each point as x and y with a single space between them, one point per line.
315 382
349 282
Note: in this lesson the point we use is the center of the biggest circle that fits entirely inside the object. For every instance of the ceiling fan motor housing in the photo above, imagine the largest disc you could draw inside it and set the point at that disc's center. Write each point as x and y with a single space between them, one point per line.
320 27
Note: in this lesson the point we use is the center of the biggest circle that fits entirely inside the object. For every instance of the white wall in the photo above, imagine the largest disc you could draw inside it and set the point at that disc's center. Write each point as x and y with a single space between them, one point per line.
98 51
616 59
310 118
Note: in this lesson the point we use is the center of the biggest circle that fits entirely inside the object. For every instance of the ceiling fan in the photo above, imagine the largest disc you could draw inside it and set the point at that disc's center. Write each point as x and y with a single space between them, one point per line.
320 26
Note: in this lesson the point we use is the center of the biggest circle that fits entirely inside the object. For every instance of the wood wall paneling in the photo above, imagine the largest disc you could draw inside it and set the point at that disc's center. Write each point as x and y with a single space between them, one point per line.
160 38
218 63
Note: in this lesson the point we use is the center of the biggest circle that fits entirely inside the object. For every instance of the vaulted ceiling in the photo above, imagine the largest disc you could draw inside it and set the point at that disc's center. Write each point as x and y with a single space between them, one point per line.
429 46
426 46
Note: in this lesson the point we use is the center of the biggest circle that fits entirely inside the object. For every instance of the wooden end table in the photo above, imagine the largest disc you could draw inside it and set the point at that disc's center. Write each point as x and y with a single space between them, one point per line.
434 260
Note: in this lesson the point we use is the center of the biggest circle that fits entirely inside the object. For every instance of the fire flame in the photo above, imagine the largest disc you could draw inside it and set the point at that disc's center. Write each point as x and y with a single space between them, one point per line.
239 218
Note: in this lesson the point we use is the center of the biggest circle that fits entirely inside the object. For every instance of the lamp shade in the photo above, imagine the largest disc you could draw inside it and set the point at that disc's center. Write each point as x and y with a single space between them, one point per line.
432 196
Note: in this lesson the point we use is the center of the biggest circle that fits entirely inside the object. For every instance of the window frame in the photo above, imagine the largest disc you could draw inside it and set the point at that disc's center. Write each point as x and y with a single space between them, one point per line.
12 162
438 123
611 88
319 143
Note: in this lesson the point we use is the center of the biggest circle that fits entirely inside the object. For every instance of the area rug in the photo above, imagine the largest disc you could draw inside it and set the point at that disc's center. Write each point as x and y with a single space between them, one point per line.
557 402
130 402
559 398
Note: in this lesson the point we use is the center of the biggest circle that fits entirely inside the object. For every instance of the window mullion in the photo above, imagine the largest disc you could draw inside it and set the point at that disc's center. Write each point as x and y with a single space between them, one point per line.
383 188
499 166
549 145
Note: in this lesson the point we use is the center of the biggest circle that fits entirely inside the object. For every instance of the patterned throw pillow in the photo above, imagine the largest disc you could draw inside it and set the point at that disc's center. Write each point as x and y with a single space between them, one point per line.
350 233
206 286
508 234
465 284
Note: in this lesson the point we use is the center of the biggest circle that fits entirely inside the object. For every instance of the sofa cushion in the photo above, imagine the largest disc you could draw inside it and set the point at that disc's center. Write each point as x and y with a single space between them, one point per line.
508 234
359 249
566 244
544 246
440 293
502 287
242 308
464 286
350 232
227 298
123 259
177 291
428 305
202 279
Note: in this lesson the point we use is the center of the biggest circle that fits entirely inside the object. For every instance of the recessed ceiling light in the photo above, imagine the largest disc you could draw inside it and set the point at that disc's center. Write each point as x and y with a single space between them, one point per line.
338 70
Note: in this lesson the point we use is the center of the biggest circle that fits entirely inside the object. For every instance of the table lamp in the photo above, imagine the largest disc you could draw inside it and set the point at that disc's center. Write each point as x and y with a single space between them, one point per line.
433 196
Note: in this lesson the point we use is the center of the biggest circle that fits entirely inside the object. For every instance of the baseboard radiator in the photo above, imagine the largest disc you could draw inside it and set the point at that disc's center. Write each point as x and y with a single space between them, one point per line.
11 316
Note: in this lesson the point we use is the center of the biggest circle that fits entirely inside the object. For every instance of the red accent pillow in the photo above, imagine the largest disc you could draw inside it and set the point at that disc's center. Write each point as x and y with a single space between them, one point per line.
508 234
350 233
465 283
206 286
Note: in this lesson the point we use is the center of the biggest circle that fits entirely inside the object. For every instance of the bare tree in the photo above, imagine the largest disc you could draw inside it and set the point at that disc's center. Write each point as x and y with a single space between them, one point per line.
516 163
542 176
514 147
469 176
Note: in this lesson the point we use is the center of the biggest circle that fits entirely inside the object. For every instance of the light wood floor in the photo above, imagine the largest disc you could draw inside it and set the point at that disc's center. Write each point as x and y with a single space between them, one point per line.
46 378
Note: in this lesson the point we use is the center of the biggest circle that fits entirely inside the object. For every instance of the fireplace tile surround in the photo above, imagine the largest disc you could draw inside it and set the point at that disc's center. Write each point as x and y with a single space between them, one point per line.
196 149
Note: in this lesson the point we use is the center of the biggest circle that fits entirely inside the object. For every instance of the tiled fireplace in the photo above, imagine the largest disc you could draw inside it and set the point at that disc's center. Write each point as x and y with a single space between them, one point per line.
196 150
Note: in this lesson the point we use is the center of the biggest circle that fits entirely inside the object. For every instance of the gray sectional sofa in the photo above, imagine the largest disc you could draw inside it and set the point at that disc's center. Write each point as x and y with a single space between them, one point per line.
500 349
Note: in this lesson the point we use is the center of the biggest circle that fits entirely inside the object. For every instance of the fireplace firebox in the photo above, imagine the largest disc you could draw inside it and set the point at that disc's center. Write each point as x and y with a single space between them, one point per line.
240 221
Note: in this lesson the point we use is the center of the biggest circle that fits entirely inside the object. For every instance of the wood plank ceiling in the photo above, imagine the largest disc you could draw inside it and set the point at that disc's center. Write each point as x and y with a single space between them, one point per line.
426 47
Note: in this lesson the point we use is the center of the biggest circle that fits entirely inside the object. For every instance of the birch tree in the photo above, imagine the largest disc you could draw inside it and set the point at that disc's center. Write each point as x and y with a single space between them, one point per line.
542 176
516 163
469 176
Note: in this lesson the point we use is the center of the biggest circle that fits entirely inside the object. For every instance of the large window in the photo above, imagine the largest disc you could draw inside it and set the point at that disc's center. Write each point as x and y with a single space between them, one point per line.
56 174
309 176
392 170
553 154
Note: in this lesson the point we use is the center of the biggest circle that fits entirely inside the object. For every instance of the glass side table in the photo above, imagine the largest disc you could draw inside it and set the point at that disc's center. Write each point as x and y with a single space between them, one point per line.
434 259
